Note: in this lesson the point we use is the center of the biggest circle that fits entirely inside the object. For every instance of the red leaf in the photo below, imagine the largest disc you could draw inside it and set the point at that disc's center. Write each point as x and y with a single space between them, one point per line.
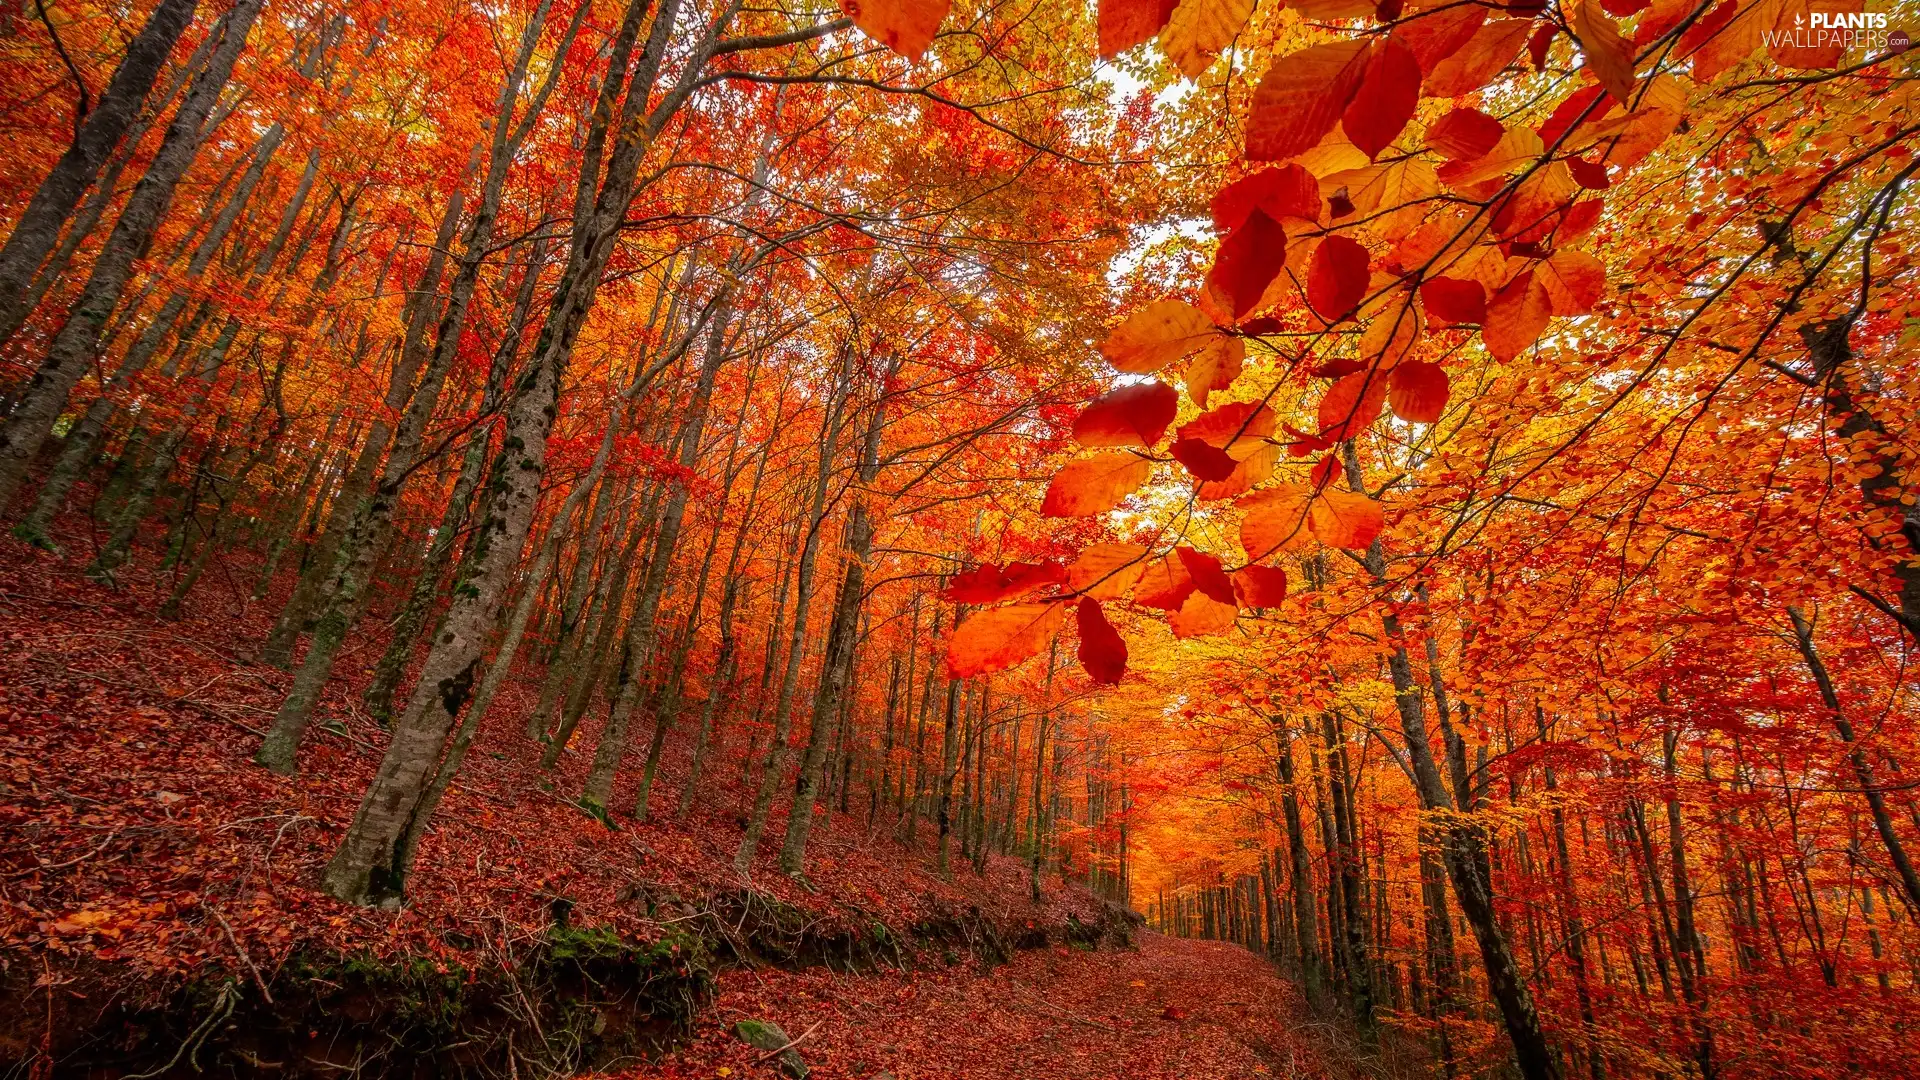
1452 300
1464 135
1591 175
1283 191
1247 261
1203 461
1126 23
1236 422
987 583
1207 576
1337 278
1260 586
1103 655
1388 93
1569 113
1130 416
1418 392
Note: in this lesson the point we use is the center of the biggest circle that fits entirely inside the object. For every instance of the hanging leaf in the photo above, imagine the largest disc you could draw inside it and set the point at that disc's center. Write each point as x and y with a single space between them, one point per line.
1491 48
998 638
1215 367
988 583
1155 336
1337 278
1201 615
1452 300
1199 29
1609 56
1207 576
1280 192
1203 461
1095 484
1256 468
1389 90
1130 416
1275 520
1260 586
1432 36
1345 519
905 26
1301 98
1107 571
1103 654
1516 317
1247 262
1574 280
1417 392
1126 23
1351 405
1232 427
1165 585
1464 135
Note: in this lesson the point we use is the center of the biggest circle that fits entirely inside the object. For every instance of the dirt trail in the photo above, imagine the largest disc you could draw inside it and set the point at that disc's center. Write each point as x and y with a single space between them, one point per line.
1171 1008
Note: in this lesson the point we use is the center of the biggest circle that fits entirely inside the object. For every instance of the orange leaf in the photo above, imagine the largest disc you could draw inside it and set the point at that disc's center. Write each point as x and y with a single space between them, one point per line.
1337 278
1260 586
1103 655
905 26
1608 55
1301 98
1253 469
1435 35
1130 416
1107 571
998 638
1574 280
1516 317
1201 615
1231 427
1155 336
1214 368
1165 584
1351 405
1417 392
1275 520
1464 134
1388 93
1492 47
1095 484
1345 519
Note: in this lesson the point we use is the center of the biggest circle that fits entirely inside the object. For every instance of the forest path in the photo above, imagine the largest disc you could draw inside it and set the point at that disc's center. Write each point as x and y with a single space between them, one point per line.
1171 1008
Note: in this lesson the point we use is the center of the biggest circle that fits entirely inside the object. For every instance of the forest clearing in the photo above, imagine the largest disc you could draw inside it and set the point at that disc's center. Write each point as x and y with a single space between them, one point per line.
905 539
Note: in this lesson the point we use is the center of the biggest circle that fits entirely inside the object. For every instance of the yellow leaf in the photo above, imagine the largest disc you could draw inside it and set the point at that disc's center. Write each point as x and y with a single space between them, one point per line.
1094 484
1199 29
1155 336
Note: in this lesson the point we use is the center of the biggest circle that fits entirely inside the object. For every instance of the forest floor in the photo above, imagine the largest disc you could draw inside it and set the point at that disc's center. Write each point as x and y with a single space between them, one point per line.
145 859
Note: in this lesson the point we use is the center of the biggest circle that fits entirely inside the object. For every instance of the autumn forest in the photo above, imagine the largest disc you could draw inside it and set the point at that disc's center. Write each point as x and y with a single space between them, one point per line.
915 539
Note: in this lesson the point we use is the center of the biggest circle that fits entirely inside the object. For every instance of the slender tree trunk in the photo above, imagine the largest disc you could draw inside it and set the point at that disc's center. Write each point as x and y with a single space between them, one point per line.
74 347
38 229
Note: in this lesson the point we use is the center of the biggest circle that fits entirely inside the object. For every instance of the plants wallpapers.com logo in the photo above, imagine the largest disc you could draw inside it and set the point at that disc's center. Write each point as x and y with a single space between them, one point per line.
1849 31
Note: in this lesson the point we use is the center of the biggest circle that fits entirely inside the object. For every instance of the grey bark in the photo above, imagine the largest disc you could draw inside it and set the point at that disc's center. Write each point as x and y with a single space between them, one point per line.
73 348
38 229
